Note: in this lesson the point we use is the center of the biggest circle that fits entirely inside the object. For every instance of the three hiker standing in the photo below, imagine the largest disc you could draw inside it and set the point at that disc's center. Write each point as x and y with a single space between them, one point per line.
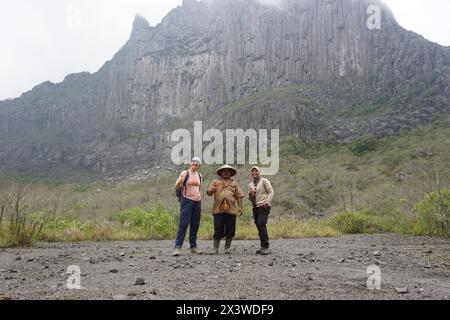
261 193
228 202
188 187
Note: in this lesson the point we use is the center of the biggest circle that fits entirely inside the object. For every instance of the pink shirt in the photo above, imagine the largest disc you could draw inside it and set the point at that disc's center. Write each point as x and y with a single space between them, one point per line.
193 186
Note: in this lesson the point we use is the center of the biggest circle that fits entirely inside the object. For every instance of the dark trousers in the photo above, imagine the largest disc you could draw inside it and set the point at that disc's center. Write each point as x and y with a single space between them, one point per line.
261 216
224 226
190 212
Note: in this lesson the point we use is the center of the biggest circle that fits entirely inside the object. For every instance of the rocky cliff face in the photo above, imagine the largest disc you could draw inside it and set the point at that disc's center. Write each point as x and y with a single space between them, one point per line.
309 67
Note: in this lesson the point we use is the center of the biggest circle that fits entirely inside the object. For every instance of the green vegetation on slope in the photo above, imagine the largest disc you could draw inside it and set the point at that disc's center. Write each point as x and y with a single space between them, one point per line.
398 185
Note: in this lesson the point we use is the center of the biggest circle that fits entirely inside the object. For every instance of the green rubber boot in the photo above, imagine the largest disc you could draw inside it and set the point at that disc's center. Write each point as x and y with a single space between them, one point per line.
215 250
228 246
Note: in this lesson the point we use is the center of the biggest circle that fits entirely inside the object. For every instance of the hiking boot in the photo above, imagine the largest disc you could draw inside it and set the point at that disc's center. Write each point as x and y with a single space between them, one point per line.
176 252
196 251
228 246
264 251
258 251
215 250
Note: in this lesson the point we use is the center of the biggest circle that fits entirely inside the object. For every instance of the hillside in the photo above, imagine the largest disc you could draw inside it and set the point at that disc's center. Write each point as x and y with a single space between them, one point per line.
311 68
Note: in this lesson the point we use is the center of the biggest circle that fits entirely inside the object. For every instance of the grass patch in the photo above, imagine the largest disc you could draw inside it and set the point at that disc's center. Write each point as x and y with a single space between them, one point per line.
159 224
70 230
365 222
434 214
355 223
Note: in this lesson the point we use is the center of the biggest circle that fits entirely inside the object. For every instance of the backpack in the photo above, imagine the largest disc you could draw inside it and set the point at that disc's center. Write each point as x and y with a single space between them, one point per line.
179 192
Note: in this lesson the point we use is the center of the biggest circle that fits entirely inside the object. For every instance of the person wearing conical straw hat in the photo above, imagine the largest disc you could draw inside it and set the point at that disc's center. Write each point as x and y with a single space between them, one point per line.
228 204
260 193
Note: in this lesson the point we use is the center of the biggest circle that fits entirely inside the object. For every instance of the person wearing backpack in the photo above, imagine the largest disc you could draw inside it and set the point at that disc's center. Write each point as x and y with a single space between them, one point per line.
188 187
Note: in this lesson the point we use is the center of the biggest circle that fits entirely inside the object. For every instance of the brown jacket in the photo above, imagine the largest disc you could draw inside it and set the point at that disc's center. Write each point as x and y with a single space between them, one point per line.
226 194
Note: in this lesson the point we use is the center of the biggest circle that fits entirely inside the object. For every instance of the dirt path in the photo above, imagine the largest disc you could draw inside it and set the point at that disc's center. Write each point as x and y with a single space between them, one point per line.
331 268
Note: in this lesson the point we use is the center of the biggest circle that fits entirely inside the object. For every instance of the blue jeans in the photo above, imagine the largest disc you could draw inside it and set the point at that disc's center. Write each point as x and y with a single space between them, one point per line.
190 212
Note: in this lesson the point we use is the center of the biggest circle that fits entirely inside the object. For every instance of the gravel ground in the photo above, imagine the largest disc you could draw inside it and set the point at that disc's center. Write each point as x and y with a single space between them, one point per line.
325 268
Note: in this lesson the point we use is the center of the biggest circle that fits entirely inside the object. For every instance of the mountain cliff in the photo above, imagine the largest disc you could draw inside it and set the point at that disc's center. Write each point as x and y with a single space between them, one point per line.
311 68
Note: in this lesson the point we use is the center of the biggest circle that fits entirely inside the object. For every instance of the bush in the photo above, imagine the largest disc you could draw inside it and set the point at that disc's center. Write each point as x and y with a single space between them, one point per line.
21 223
434 214
356 223
71 230
22 233
365 144
159 223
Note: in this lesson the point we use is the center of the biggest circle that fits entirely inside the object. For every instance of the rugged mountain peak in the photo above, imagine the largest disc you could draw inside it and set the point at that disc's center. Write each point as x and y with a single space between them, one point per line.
44 85
187 3
140 25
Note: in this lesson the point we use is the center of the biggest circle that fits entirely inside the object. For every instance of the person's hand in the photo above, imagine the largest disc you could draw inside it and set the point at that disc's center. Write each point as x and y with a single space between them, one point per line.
212 190
241 212
180 181
266 205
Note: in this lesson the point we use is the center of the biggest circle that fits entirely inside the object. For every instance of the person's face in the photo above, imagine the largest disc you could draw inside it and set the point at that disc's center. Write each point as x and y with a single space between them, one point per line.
255 173
226 174
195 165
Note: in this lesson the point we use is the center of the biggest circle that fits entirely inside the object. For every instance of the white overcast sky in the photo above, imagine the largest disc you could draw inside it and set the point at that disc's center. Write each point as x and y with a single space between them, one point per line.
44 40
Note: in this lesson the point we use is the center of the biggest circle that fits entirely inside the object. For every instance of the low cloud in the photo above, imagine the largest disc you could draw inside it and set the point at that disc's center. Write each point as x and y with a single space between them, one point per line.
275 3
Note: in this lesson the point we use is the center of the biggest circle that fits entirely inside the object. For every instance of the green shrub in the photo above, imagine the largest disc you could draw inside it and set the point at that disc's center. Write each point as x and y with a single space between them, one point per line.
68 223
396 221
21 222
355 223
364 144
158 222
434 214
22 232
